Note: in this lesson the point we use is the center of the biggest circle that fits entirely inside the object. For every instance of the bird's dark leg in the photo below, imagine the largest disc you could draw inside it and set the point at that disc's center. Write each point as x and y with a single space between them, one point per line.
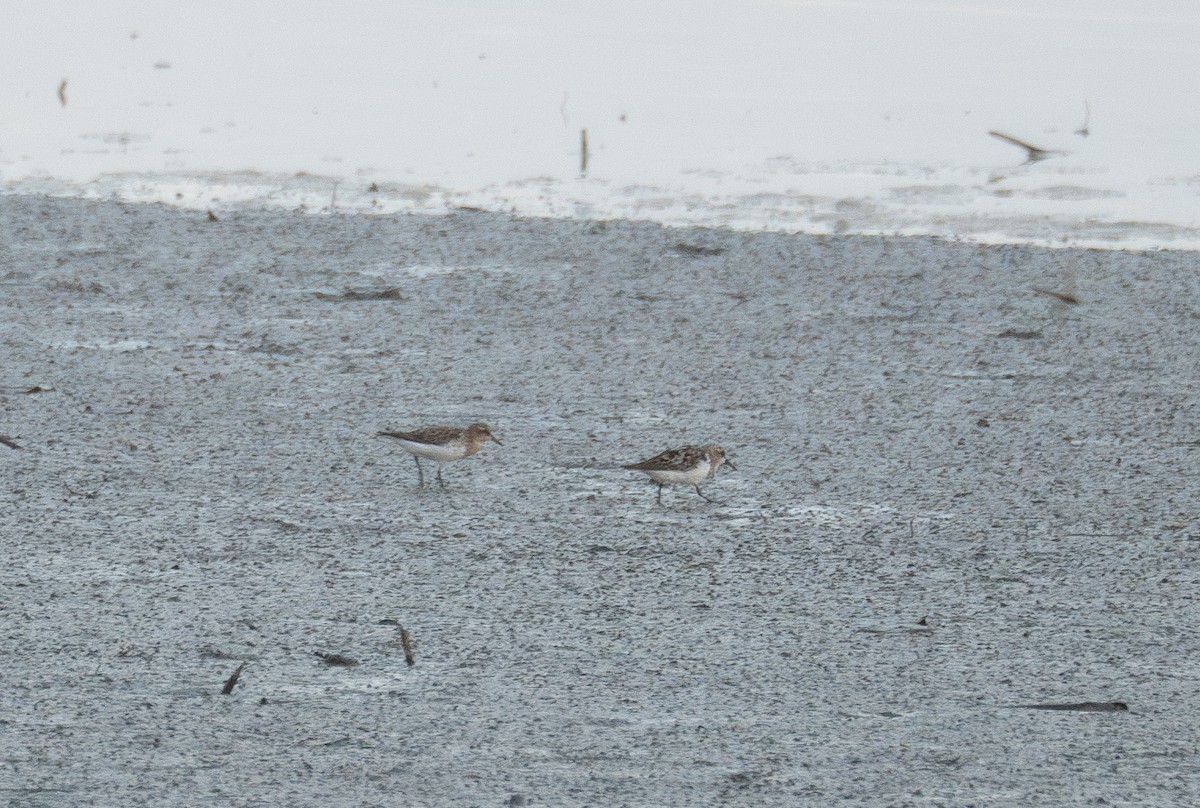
658 499
441 482
706 499
420 474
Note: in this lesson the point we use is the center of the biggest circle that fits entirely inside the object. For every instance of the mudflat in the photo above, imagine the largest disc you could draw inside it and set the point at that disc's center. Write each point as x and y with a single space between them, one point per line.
966 480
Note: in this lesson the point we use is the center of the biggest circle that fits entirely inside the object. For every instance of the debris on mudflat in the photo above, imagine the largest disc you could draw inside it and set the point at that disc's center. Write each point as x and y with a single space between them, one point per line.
1081 707
354 295
1034 153
698 249
1065 297
1084 131
232 681
406 641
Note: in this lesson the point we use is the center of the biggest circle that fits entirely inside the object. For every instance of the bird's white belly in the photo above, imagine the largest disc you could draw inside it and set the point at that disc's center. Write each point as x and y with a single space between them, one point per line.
690 477
442 454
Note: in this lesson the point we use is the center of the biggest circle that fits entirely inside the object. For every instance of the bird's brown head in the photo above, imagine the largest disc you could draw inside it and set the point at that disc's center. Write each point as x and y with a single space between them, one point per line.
718 457
481 432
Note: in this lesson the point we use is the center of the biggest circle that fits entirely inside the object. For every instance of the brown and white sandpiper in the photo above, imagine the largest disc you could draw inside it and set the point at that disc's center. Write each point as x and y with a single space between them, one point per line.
442 444
687 465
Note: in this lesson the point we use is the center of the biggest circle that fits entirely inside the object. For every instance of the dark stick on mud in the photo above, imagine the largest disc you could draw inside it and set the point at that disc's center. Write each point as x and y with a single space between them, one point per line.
1084 131
352 295
1080 707
583 153
1034 153
62 92
10 443
406 641
232 681
1065 297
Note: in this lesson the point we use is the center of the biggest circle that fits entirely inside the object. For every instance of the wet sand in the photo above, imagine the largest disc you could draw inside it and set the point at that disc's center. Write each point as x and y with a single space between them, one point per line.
954 494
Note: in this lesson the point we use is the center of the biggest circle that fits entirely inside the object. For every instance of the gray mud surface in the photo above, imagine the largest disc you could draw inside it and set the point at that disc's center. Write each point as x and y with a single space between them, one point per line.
954 495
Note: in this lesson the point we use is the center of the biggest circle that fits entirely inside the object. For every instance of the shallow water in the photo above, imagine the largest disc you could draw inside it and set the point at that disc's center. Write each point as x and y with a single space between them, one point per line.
954 494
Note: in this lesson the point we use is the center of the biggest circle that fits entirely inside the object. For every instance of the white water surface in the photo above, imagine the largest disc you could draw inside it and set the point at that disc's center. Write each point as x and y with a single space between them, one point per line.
818 116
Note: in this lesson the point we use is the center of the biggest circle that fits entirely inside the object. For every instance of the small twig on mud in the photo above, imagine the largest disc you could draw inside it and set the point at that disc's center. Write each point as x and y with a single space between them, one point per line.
1081 707
1065 297
583 153
1033 153
10 443
352 295
1084 131
406 641
84 494
232 681
62 92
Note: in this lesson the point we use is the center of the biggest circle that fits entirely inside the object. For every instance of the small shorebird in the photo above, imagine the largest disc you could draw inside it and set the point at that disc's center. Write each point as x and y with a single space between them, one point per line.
443 444
688 465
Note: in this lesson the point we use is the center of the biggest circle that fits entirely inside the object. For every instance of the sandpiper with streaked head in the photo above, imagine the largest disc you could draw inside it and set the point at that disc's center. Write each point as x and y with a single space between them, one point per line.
687 465
442 444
